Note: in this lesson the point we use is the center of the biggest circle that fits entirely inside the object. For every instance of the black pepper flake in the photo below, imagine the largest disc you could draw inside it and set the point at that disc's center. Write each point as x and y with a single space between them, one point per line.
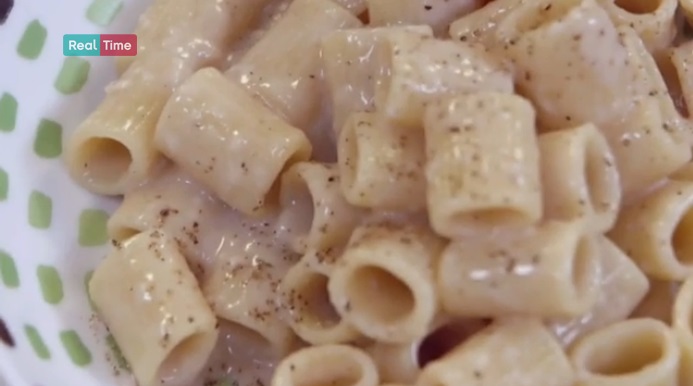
5 335
5 9
428 7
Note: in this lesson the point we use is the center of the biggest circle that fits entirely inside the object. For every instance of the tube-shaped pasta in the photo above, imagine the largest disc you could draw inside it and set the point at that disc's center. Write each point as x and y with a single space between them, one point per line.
510 352
631 352
169 330
579 177
311 313
402 362
112 151
284 69
682 60
348 59
314 212
658 301
483 163
160 28
653 20
383 284
326 365
436 13
381 164
682 317
419 70
232 143
245 291
480 26
551 271
576 91
622 287
173 203
655 232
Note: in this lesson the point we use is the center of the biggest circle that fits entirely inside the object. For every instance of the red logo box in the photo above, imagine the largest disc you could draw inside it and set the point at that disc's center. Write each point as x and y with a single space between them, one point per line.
119 45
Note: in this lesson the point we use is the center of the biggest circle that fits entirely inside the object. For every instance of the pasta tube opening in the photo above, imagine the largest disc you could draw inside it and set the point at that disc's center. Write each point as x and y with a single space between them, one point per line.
682 242
634 351
178 360
583 269
642 349
379 295
318 309
639 6
105 161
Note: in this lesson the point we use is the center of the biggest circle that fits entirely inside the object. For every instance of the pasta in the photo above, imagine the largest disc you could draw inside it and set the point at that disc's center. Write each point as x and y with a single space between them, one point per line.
227 139
631 352
409 304
438 13
171 330
399 193
623 286
552 270
313 208
291 87
655 231
111 152
463 135
379 162
498 353
311 313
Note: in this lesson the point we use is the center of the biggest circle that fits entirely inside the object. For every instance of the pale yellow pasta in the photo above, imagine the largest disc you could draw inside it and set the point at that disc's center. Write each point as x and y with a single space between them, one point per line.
160 28
682 317
483 163
552 270
238 291
436 13
579 177
629 353
622 287
653 20
419 70
655 232
229 141
283 69
682 60
381 164
326 365
584 46
511 352
351 69
168 331
314 212
112 151
480 26
402 362
384 285
172 203
658 301
310 312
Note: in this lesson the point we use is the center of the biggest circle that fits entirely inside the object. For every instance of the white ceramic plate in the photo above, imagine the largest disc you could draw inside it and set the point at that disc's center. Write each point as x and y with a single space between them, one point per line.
52 233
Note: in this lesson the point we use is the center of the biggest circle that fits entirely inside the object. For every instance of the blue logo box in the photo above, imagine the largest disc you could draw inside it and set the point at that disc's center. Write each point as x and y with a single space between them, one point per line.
82 45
